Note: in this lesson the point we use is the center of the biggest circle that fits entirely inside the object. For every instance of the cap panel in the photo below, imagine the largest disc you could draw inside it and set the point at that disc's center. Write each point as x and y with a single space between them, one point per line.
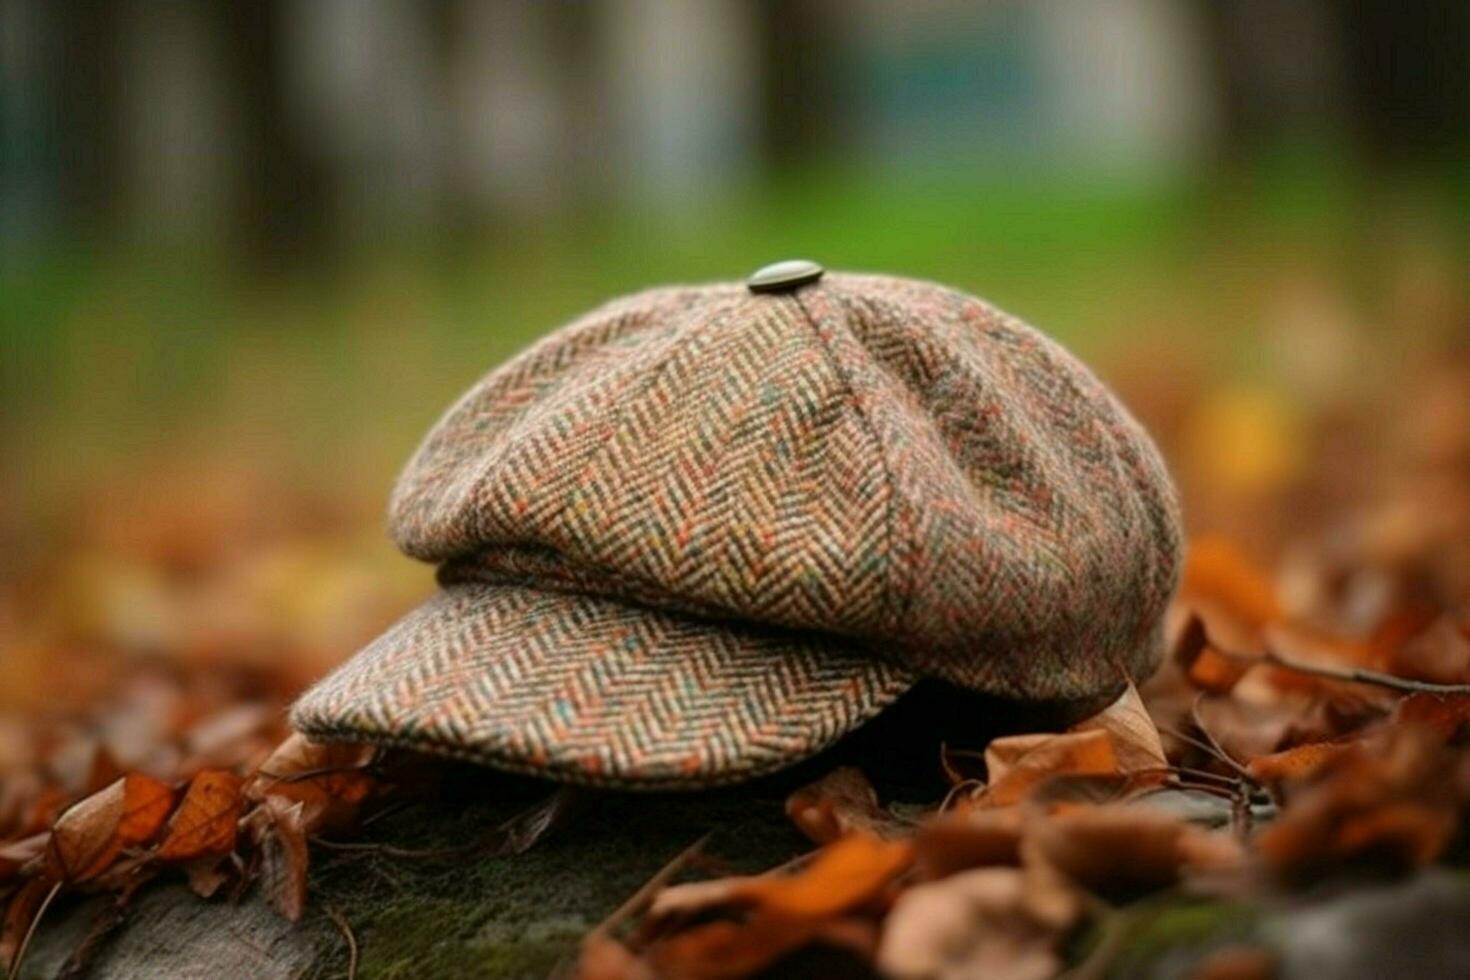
1041 530
560 389
596 691
707 457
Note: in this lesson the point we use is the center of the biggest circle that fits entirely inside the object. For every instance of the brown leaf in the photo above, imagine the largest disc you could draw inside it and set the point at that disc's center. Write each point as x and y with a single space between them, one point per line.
843 875
780 913
981 923
1018 763
283 859
1448 716
1204 666
205 822
1115 851
329 779
965 839
840 803
1294 763
1440 654
89 836
1135 737
15 855
1388 803
1217 570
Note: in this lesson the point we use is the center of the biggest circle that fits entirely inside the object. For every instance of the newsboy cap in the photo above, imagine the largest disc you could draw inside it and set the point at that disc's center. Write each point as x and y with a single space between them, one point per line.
702 533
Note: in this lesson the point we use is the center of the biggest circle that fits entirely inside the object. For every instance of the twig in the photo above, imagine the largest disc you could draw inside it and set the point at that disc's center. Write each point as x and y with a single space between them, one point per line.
25 943
1351 675
345 927
1220 753
1204 747
640 899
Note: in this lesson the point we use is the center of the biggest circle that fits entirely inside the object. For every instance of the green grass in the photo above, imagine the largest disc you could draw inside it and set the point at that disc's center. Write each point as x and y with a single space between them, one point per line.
115 355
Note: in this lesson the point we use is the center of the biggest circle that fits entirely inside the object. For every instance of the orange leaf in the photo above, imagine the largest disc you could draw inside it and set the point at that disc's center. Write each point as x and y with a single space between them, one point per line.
844 875
89 836
1017 763
205 822
1214 672
1134 735
1217 570
1295 763
327 778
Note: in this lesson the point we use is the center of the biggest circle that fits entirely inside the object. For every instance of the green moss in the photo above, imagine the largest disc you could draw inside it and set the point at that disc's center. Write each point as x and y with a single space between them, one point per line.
1170 928
491 916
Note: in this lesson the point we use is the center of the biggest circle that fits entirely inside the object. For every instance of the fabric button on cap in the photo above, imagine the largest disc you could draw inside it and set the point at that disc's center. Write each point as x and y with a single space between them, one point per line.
780 277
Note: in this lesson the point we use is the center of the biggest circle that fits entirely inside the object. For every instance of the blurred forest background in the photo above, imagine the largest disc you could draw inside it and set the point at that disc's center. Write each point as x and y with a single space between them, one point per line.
249 252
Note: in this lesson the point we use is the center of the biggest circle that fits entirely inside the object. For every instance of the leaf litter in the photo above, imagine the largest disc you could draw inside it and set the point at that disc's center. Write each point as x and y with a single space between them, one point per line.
1310 725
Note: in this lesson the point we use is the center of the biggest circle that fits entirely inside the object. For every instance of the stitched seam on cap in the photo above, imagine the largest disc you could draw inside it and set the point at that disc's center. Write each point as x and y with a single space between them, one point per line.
898 610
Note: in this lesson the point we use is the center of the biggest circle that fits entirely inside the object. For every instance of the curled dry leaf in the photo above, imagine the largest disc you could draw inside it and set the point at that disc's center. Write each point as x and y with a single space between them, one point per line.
205 822
1018 763
780 913
840 803
982 923
844 875
283 857
90 835
1135 737
329 779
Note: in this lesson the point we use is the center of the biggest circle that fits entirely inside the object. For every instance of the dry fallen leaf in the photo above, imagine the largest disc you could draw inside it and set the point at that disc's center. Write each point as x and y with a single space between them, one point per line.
329 779
1386 804
90 835
1135 737
779 913
1018 763
1294 763
283 857
205 822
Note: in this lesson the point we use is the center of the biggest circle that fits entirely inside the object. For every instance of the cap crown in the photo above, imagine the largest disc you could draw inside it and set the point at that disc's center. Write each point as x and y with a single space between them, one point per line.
868 457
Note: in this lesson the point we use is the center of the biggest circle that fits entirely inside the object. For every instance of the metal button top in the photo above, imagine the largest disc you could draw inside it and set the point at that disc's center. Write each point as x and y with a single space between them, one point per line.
780 277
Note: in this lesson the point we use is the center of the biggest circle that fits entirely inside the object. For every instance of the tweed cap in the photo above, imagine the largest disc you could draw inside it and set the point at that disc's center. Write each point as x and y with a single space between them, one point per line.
701 533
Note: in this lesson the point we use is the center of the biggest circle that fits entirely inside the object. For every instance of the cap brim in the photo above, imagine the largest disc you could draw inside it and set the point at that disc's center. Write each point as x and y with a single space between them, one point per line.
591 690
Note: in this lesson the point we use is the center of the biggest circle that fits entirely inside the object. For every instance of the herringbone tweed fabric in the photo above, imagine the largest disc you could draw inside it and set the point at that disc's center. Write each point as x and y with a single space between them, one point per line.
699 534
